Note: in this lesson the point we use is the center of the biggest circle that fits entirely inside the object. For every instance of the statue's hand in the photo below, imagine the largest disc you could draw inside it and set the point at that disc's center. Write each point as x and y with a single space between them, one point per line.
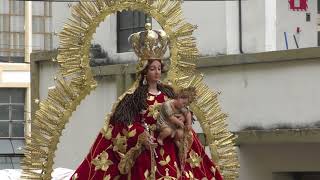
149 142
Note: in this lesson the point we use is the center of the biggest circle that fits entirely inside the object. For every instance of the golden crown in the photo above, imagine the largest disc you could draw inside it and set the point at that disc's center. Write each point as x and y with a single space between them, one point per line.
149 44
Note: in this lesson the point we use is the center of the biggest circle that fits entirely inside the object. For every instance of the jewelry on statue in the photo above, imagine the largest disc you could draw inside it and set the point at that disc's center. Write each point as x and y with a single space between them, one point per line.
146 127
144 82
159 82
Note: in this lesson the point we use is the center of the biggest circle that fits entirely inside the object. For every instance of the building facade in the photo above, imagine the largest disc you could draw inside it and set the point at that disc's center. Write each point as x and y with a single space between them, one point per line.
224 27
271 97
25 27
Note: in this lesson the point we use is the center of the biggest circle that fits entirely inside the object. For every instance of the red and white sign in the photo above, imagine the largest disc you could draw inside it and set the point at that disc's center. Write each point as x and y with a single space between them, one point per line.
298 5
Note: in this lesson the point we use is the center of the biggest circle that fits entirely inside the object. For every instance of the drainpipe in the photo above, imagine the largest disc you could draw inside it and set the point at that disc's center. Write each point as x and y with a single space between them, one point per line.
28 30
27 52
240 27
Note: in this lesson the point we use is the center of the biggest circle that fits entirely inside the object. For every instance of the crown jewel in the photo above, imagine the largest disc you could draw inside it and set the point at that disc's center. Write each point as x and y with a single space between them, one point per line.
149 44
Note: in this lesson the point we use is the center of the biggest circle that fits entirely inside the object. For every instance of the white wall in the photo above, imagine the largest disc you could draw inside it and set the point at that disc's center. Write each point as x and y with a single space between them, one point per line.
15 77
268 94
288 21
60 14
253 26
257 162
12 74
85 123
270 25
232 27
210 18
263 24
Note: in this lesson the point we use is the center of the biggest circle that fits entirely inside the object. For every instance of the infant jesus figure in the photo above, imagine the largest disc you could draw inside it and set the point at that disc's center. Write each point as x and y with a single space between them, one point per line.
175 117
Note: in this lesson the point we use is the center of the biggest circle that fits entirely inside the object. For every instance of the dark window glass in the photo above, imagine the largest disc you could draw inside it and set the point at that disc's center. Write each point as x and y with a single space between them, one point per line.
4 112
17 112
12 112
4 129
318 38
17 129
128 22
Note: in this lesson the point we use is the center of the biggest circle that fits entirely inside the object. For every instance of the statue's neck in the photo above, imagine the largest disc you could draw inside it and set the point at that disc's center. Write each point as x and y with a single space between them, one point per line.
153 89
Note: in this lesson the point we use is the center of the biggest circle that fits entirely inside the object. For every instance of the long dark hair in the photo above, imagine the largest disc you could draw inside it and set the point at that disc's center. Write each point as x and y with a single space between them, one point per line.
133 104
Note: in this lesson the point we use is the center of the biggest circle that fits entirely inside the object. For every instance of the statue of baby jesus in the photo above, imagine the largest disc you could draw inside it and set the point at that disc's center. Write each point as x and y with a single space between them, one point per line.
175 117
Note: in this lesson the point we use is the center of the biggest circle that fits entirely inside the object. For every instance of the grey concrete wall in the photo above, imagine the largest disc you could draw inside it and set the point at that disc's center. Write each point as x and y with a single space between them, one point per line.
268 94
258 162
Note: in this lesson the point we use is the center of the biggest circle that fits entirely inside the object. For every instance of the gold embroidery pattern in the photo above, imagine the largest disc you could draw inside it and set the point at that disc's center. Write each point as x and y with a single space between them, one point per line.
108 177
150 98
213 170
189 174
129 158
107 131
102 161
184 147
120 143
147 175
154 110
167 176
194 159
75 176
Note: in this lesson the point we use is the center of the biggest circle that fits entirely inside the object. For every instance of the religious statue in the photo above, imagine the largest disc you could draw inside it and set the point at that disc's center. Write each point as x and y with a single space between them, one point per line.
127 146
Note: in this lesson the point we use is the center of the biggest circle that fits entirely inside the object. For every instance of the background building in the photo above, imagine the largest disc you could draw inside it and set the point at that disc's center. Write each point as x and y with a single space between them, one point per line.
24 27
269 92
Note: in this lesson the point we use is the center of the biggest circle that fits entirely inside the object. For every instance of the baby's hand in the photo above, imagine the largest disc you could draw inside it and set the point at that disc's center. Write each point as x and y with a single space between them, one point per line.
180 124
189 127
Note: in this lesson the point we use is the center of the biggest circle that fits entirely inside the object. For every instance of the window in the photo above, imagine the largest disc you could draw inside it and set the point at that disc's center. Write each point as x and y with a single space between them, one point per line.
11 31
42 26
11 127
128 22
12 112
10 161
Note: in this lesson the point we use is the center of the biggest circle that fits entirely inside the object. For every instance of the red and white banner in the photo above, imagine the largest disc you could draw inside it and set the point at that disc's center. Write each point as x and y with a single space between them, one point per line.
298 5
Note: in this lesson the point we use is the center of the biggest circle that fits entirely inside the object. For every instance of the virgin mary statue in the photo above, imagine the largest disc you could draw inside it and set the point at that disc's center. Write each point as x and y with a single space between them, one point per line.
126 147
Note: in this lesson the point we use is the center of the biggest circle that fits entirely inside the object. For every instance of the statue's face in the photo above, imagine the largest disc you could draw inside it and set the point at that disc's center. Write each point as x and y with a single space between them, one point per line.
182 102
154 72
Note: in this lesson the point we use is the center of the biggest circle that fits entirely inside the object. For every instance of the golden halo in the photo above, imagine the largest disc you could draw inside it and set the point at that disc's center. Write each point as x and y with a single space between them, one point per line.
75 81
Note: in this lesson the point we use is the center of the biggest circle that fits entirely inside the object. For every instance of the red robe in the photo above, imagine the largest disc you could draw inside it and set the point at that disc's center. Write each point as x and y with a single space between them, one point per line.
117 153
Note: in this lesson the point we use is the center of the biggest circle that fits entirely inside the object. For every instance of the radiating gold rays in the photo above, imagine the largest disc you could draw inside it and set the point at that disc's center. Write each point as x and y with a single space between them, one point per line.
74 82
